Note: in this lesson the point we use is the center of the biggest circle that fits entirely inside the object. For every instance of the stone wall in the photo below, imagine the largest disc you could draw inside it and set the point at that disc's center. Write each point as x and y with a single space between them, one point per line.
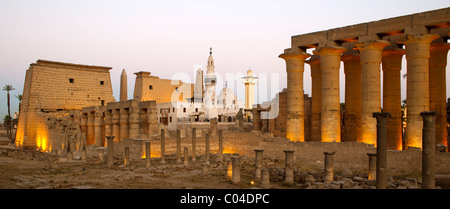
350 155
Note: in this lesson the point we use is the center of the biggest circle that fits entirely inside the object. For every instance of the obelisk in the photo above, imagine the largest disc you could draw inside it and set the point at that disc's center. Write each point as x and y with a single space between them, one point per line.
123 86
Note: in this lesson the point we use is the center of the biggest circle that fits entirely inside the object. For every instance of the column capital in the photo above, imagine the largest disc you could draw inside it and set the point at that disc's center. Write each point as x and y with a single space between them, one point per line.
440 47
424 38
372 45
292 54
329 50
329 153
381 114
428 113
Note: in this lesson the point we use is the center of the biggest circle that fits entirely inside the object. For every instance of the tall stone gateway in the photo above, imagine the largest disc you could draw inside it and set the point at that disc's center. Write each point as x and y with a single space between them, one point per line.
53 89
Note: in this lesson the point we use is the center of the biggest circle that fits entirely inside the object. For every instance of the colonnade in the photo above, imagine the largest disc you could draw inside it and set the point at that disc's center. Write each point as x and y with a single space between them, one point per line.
129 119
426 56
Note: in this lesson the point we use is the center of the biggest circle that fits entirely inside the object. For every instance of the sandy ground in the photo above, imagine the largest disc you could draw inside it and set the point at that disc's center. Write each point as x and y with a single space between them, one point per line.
16 173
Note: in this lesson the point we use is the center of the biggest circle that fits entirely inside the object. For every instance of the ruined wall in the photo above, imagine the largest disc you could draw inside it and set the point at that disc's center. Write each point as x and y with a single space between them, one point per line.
149 87
53 88
351 155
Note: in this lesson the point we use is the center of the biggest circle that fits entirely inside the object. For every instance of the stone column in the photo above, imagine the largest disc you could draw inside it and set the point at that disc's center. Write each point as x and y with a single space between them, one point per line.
392 65
83 124
330 120
90 134
256 119
316 96
163 147
372 166
295 124
133 130
236 173
194 144
258 163
108 123
178 146
417 86
186 156
220 144
110 157
229 169
329 166
371 53
207 147
152 121
428 164
115 124
265 179
126 160
98 125
148 155
123 124
438 64
288 169
382 118
352 113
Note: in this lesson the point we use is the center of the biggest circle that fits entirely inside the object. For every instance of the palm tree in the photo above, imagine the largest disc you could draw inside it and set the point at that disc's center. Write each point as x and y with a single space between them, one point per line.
9 88
19 97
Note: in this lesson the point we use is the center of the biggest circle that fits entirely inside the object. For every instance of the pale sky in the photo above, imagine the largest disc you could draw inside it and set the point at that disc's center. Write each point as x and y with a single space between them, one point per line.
170 37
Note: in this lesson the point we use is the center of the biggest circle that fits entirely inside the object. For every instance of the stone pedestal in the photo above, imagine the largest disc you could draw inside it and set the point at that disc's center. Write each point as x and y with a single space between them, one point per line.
329 166
186 156
194 144
392 64
258 163
265 179
236 173
372 166
178 146
295 61
110 157
330 108
147 154
382 118
428 164
371 53
163 147
417 86
288 168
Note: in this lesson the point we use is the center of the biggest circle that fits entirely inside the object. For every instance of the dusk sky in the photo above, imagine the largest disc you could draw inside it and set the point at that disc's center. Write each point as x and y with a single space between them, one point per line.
170 37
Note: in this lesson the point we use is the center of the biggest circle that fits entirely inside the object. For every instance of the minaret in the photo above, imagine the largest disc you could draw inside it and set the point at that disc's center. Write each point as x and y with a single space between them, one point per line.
123 86
210 82
249 82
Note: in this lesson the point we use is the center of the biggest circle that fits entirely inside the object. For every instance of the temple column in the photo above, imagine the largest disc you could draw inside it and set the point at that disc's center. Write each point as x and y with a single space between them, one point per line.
123 124
133 130
98 125
152 121
115 124
330 120
108 123
417 86
392 65
83 125
295 119
438 103
352 113
316 92
90 137
371 53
